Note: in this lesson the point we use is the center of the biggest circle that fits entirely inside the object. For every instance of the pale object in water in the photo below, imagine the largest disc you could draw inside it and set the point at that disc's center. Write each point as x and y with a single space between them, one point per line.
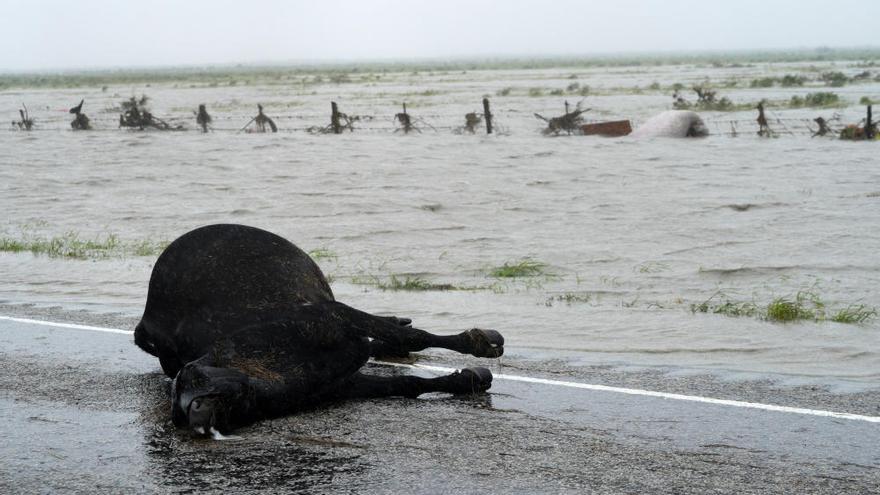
674 123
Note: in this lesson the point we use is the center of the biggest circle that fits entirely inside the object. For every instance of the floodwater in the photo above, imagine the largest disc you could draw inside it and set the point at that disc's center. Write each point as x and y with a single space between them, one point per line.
632 232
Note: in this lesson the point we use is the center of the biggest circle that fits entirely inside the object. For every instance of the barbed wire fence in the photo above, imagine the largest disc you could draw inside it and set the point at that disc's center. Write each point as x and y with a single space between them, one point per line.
381 123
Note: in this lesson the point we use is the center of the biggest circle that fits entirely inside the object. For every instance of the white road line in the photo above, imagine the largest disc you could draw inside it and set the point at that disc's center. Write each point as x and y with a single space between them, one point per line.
67 325
651 393
543 381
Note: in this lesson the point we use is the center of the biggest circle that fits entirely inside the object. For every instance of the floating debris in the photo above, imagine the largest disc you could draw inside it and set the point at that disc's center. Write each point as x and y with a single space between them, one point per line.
406 124
707 99
471 121
26 123
203 119
763 128
338 122
824 129
571 122
865 132
615 128
261 121
80 121
136 115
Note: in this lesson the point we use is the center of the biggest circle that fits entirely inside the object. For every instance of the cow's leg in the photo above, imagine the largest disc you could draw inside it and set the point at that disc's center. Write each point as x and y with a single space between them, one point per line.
394 336
402 340
466 381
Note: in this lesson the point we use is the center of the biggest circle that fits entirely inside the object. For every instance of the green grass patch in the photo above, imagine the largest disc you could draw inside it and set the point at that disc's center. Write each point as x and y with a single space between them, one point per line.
412 283
786 81
834 79
815 100
148 248
708 102
790 80
803 306
522 268
764 82
72 245
569 298
854 314
322 254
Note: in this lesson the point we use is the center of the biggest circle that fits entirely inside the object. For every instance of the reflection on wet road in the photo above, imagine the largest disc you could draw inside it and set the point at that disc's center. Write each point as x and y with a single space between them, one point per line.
85 409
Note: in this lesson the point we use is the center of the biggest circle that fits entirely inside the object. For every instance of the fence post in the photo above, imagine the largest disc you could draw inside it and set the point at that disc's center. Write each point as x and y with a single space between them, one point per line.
405 120
869 126
487 115
334 118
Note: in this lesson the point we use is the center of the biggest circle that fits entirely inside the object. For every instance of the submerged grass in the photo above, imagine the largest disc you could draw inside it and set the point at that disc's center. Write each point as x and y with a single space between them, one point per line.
522 268
854 314
411 283
569 298
415 284
322 254
821 99
72 245
804 305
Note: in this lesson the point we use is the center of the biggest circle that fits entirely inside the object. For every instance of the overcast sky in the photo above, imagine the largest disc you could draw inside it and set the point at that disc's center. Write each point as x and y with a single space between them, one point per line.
43 34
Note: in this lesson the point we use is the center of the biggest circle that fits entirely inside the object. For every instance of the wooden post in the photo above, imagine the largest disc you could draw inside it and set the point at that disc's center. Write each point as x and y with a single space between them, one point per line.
334 118
566 115
487 115
405 120
869 126
763 127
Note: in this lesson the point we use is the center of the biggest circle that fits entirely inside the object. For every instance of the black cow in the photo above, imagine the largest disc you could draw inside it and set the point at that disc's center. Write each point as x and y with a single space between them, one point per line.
247 326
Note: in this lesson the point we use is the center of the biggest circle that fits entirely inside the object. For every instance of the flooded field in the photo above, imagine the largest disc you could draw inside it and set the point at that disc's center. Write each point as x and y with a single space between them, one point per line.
634 253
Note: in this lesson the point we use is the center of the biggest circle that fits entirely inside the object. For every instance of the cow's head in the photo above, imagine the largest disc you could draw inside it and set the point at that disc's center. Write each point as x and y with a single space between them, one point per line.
205 397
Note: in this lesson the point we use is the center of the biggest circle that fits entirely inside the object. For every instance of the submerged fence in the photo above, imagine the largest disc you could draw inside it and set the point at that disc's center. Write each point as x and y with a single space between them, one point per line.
471 123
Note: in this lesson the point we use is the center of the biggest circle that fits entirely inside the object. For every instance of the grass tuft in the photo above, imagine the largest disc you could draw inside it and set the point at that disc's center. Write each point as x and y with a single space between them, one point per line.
815 100
415 284
523 268
805 305
569 298
71 245
854 314
322 254
786 310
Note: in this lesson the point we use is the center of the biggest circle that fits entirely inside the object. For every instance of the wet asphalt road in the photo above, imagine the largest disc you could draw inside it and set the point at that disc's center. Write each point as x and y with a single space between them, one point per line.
83 411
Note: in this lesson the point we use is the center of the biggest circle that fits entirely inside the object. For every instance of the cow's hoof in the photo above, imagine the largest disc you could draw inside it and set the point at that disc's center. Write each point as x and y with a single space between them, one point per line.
485 343
474 380
400 322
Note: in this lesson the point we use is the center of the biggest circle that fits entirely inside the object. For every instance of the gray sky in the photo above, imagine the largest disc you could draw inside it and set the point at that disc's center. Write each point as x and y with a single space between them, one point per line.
105 33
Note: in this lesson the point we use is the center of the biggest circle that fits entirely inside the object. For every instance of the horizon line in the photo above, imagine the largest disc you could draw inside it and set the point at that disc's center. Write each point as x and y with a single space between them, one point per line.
452 59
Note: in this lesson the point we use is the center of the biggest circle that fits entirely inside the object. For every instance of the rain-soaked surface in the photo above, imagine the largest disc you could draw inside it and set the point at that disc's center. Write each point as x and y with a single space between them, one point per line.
632 232
85 411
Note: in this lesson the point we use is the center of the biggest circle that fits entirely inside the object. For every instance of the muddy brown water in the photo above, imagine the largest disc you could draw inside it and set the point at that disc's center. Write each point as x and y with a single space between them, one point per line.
632 232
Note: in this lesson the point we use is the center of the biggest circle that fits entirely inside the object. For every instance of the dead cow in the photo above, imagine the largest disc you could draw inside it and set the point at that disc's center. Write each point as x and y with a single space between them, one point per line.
247 326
